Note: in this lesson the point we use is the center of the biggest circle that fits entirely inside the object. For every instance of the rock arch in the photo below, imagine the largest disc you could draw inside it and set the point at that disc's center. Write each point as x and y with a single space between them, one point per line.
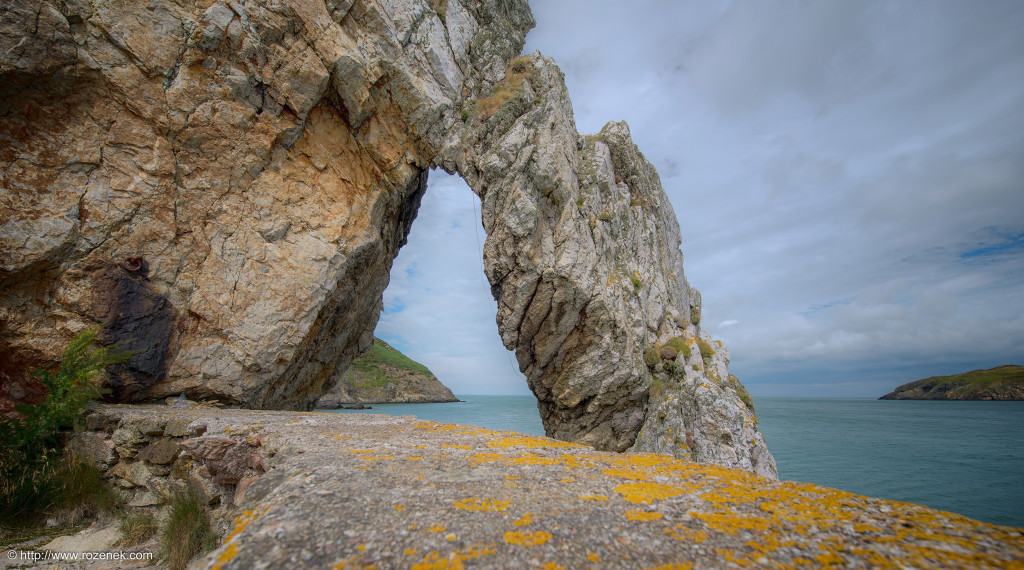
265 161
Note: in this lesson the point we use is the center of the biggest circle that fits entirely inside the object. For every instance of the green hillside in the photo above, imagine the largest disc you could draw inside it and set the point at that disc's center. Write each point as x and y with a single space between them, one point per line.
999 383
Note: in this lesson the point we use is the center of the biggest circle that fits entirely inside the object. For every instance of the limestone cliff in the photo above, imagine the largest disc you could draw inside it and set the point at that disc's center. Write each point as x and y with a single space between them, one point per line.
224 185
385 375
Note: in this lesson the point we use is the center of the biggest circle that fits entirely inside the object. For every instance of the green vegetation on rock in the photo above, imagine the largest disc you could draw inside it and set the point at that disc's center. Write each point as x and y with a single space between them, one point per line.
382 353
37 475
187 532
999 383
384 375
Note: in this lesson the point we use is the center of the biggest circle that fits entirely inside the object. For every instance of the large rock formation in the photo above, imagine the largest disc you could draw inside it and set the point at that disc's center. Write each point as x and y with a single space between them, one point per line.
223 187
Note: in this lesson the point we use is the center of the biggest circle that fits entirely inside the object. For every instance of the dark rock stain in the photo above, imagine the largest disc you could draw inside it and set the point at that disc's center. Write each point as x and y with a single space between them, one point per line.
142 321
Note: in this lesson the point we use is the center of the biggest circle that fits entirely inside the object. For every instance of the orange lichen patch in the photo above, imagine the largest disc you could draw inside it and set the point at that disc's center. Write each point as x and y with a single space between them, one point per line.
487 457
647 492
528 441
593 557
593 497
552 566
568 480
642 515
673 566
686 534
357 451
531 460
627 474
455 446
450 536
414 459
523 520
399 507
411 551
527 538
376 457
243 520
510 477
229 552
435 561
476 504
438 528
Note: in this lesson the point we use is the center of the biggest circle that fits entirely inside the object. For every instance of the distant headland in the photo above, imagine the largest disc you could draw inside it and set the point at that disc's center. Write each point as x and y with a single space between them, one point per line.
384 375
999 383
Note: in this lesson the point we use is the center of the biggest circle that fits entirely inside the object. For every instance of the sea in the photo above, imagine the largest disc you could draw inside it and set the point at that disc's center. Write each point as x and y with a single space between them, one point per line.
964 457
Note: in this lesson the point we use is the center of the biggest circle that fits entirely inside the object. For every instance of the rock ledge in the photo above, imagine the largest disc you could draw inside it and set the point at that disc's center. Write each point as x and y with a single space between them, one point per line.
396 492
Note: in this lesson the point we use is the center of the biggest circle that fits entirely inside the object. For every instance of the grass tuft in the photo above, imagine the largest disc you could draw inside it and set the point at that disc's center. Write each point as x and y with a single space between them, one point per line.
188 531
136 527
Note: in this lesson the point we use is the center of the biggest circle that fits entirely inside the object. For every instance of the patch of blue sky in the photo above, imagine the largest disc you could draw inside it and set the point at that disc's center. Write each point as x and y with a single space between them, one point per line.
396 305
1009 245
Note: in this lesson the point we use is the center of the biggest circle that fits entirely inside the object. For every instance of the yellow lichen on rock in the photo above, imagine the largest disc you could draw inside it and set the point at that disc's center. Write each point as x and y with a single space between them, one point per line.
647 492
477 504
527 538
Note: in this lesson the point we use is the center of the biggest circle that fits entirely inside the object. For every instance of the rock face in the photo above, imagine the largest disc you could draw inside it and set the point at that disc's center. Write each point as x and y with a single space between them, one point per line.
385 375
224 186
1005 383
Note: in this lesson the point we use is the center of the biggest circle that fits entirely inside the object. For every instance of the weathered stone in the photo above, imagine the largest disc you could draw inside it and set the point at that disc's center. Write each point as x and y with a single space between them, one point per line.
176 428
151 427
208 491
208 448
127 441
96 447
161 452
96 421
96 538
241 488
134 473
146 498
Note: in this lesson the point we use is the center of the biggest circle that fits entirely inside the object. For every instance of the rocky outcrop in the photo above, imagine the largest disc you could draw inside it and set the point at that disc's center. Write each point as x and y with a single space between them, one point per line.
583 257
1002 383
224 186
384 375
361 490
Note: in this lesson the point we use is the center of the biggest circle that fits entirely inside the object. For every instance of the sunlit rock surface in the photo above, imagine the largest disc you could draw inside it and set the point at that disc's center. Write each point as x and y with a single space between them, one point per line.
223 187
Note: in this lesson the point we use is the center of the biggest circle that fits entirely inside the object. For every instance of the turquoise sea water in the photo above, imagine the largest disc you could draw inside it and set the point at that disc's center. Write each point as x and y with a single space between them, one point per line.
965 457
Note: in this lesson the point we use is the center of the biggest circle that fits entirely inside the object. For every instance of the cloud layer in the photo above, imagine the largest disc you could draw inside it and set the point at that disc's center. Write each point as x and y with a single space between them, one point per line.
849 178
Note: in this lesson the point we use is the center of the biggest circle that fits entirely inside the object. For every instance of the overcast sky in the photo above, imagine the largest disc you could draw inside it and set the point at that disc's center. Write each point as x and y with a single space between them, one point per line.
848 176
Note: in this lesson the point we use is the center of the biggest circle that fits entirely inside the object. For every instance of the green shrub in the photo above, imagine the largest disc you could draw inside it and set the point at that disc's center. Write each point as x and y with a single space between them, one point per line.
605 217
679 343
695 316
652 356
188 531
636 284
706 352
36 475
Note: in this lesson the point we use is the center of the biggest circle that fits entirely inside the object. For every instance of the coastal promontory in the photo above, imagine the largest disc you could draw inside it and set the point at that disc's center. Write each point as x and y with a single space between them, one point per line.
999 383
384 375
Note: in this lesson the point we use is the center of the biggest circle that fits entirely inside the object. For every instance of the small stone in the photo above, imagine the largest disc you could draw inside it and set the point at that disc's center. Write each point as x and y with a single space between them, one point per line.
151 427
208 448
176 428
161 452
